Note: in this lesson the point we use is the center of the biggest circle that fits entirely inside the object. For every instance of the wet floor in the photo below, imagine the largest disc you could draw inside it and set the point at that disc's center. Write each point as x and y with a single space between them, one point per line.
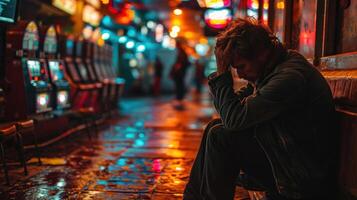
145 153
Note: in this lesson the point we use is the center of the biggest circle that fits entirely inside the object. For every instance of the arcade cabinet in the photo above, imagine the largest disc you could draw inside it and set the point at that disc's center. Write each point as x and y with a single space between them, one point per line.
55 68
8 15
28 91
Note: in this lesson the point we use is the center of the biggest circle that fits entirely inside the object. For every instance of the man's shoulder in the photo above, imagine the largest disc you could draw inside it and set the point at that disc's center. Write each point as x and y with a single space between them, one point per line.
296 63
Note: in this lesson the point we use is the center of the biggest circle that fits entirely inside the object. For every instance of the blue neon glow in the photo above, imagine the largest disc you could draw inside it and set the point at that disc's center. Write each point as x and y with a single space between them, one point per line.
122 39
130 44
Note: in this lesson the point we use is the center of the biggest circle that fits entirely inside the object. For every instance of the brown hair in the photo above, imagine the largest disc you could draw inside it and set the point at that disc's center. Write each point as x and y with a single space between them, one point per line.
247 38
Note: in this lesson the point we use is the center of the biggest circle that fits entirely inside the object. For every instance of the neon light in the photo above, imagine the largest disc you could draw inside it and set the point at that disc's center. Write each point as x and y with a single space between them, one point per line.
122 39
69 6
178 11
218 18
214 3
130 44
141 48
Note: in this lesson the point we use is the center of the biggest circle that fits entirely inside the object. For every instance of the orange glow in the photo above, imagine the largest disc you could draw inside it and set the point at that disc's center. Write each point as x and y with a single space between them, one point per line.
176 22
266 5
105 2
189 34
203 40
280 5
255 4
100 42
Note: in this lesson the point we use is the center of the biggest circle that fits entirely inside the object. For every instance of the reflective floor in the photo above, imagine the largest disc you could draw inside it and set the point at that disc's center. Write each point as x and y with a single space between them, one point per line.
145 153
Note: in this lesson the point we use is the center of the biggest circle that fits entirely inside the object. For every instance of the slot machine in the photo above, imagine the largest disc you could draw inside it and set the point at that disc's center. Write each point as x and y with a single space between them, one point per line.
55 68
78 92
96 64
28 91
106 62
79 63
87 57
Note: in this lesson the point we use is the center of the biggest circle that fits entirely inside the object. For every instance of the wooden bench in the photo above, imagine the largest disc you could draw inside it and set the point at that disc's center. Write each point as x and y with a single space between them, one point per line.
343 84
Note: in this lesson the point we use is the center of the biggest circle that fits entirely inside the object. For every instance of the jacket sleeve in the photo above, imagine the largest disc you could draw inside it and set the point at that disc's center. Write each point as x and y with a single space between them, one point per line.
283 92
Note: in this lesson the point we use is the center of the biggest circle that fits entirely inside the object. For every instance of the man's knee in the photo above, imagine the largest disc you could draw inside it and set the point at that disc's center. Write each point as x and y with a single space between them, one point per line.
216 135
213 123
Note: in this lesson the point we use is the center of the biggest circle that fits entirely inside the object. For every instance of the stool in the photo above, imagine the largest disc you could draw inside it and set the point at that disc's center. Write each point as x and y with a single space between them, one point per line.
7 133
88 117
28 126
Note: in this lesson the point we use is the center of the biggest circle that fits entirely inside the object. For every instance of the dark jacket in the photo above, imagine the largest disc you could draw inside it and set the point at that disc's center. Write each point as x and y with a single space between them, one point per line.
291 111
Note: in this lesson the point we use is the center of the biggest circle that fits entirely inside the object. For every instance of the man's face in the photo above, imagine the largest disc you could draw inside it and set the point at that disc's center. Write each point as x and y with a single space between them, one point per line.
246 69
249 70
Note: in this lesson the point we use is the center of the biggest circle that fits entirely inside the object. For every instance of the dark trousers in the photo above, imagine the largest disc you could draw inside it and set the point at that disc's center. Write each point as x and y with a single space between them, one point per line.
180 88
220 158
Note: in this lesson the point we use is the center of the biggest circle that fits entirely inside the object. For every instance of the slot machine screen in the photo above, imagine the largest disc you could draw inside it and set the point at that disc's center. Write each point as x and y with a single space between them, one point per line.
69 47
79 49
34 68
63 99
8 11
42 102
55 70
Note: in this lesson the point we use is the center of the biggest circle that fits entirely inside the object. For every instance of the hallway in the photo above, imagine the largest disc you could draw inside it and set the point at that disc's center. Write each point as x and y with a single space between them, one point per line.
145 153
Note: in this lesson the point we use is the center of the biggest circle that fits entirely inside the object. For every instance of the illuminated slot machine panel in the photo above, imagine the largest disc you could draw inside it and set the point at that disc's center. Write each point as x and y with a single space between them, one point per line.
96 56
69 63
304 27
62 87
38 78
88 56
55 69
81 68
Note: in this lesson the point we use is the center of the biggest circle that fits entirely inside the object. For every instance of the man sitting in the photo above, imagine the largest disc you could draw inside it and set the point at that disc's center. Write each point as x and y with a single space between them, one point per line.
279 130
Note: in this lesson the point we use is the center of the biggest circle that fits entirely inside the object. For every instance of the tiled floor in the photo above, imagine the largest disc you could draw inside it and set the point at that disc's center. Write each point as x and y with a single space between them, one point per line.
146 153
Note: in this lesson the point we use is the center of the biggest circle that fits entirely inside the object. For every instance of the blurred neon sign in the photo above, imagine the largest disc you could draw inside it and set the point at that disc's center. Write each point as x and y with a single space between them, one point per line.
214 3
91 15
95 3
218 18
69 6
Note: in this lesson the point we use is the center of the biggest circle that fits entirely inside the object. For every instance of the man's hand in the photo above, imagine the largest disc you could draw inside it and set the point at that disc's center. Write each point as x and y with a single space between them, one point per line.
223 56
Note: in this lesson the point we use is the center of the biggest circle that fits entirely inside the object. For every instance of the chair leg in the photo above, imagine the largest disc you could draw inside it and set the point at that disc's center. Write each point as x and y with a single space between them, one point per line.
88 129
37 149
2 153
95 127
20 150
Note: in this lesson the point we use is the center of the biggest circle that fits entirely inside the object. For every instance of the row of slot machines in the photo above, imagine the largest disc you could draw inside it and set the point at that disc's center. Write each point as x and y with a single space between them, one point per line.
49 73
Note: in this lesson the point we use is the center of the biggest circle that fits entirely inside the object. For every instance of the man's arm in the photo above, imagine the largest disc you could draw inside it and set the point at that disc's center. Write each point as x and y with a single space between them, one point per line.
282 93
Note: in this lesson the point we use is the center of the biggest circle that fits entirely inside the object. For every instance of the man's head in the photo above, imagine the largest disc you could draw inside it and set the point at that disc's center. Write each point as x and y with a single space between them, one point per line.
247 47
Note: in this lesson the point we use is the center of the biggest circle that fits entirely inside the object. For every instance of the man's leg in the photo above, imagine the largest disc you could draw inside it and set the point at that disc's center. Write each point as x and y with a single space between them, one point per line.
221 167
193 186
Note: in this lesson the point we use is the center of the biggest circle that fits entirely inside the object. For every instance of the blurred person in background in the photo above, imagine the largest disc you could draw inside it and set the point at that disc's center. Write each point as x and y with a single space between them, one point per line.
158 68
178 73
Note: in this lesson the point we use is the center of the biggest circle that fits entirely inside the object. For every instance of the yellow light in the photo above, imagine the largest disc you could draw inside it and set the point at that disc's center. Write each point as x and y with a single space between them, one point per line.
266 5
105 1
189 34
280 5
173 34
100 42
176 29
176 22
255 4
178 11
203 40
